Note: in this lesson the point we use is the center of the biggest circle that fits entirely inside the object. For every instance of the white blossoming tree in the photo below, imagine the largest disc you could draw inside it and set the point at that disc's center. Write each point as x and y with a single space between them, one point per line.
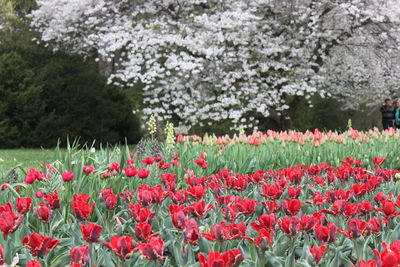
204 61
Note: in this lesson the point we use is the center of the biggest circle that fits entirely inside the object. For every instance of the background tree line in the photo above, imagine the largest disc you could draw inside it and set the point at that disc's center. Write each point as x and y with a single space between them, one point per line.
48 95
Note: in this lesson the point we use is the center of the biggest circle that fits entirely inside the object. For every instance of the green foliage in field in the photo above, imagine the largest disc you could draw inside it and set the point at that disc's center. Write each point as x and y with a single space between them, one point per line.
25 158
239 158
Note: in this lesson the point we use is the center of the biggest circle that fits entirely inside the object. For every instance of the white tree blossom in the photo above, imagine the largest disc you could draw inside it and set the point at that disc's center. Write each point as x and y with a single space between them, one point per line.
204 61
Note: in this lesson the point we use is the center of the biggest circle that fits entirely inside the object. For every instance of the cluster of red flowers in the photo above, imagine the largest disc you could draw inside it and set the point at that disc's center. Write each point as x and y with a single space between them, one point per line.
324 204
388 257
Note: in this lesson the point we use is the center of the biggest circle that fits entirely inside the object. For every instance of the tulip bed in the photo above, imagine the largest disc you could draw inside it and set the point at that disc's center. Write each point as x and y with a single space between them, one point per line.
207 204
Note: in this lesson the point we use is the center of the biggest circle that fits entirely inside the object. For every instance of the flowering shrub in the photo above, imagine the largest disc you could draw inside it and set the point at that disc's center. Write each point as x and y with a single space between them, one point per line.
188 214
204 62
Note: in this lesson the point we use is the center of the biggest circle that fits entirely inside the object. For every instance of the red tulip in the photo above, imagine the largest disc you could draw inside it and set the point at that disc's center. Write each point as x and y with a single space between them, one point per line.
388 258
179 196
105 193
169 181
238 229
158 194
359 190
179 139
271 191
223 232
67 176
294 192
153 250
33 175
197 192
9 221
314 170
143 231
350 209
162 165
338 208
257 177
224 201
127 196
52 200
388 209
4 187
295 175
200 161
81 207
43 212
114 167
230 213
307 223
87 170
247 206
271 206
395 246
143 173
145 195
326 234
380 197
122 246
33 263
91 232
39 245
319 180
198 209
266 221
150 195
364 208
374 225
320 218
140 214
356 228
290 226
340 194
110 200
106 175
23 204
291 207
148 161
176 208
230 258
319 199
39 194
370 263
263 240
191 231
378 161
130 171
317 253
178 219
175 162
80 256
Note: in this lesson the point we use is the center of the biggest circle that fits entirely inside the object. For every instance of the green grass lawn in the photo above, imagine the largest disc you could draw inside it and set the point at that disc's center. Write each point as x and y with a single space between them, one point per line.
26 158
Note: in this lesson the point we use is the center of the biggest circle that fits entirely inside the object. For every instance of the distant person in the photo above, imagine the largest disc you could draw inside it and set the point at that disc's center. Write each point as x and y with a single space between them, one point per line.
397 115
387 114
